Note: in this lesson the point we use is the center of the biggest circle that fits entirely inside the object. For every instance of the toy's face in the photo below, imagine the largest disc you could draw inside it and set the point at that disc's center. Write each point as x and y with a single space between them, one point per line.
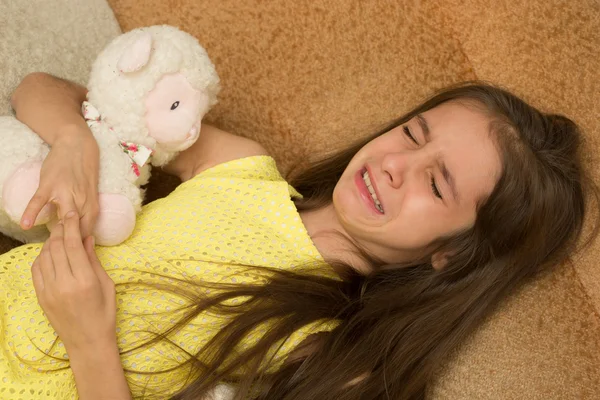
173 112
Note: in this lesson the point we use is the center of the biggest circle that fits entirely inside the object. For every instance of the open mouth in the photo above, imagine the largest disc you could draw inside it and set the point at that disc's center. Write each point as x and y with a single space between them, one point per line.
367 179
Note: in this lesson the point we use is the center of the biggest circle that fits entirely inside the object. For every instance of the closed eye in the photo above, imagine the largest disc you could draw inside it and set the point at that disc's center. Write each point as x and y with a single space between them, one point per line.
407 133
434 189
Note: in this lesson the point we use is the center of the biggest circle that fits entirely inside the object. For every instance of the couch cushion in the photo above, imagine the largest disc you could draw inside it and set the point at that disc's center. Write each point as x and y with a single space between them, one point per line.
542 343
61 37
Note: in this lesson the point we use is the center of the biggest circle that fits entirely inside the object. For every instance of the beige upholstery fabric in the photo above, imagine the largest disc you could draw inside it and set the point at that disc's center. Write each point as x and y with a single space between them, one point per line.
61 37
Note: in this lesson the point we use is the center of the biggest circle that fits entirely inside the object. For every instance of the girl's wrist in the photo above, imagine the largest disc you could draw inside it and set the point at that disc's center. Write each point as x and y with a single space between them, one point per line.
73 134
93 354
99 373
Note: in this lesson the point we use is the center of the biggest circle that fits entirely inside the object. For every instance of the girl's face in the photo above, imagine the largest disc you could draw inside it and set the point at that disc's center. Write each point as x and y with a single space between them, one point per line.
419 182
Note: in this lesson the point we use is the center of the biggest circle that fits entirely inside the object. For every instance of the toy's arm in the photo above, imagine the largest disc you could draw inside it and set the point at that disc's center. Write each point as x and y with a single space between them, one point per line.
51 107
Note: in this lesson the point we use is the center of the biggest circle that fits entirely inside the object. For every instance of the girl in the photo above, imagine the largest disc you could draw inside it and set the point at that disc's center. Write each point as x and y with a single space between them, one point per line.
352 282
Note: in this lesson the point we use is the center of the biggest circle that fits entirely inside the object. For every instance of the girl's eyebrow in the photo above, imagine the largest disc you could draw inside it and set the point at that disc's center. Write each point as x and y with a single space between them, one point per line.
450 179
424 126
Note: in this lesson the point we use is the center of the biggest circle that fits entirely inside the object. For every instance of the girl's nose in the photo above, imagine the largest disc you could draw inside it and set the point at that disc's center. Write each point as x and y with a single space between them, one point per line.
397 165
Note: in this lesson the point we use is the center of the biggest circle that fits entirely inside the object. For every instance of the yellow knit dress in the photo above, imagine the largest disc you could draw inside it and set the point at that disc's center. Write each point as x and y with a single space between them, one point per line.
235 214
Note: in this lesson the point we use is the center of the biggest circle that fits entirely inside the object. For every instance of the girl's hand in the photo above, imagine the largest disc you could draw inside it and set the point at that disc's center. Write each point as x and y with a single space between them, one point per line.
69 180
74 290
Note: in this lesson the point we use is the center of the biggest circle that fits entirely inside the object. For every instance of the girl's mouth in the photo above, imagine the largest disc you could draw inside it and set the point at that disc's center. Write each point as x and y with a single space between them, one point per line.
367 190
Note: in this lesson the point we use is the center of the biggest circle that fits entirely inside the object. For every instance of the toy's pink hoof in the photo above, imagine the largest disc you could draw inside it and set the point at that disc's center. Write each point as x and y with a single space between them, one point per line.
116 219
18 190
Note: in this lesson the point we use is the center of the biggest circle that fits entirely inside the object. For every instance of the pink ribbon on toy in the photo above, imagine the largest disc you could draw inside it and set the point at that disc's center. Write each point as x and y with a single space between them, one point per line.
138 153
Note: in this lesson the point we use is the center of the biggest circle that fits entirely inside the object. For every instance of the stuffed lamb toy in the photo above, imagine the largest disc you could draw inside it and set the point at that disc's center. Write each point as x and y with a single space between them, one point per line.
147 94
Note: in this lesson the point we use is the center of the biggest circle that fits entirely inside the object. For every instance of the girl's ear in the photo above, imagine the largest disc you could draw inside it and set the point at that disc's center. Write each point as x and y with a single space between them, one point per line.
439 260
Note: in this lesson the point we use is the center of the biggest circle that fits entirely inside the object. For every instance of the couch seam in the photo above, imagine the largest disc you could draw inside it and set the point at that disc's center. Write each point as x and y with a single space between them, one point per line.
466 56
452 34
584 288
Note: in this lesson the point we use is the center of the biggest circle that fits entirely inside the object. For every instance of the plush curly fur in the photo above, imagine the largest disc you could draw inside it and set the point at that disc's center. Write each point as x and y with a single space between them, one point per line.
119 97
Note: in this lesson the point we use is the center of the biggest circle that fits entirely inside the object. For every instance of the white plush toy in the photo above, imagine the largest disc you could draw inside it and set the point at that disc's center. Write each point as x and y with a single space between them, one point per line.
148 91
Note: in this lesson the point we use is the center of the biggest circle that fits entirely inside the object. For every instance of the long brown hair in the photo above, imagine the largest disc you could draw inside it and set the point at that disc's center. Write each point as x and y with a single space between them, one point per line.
395 325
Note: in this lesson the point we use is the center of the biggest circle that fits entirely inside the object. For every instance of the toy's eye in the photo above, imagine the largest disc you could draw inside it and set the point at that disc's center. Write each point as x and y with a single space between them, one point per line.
174 105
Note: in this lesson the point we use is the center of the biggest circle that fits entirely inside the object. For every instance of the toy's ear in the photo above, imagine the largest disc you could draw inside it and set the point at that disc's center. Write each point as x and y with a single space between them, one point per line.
137 54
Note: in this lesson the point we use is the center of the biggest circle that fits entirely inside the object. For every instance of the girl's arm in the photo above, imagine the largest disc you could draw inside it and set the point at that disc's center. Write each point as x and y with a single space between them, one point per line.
99 374
84 314
51 107
78 298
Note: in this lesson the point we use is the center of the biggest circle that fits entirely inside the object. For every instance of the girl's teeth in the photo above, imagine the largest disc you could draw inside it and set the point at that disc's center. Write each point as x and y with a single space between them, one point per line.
367 180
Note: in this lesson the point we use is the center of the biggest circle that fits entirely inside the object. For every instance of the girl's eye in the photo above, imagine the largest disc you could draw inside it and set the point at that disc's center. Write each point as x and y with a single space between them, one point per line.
174 105
410 136
434 189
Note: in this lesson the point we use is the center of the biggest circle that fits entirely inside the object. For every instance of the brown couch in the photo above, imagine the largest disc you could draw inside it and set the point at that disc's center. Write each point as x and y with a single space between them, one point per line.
304 76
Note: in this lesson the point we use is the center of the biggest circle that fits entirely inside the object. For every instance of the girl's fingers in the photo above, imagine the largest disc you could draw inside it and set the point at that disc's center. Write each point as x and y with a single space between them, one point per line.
58 253
94 261
88 220
66 205
37 277
37 202
76 253
46 265
108 285
90 249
